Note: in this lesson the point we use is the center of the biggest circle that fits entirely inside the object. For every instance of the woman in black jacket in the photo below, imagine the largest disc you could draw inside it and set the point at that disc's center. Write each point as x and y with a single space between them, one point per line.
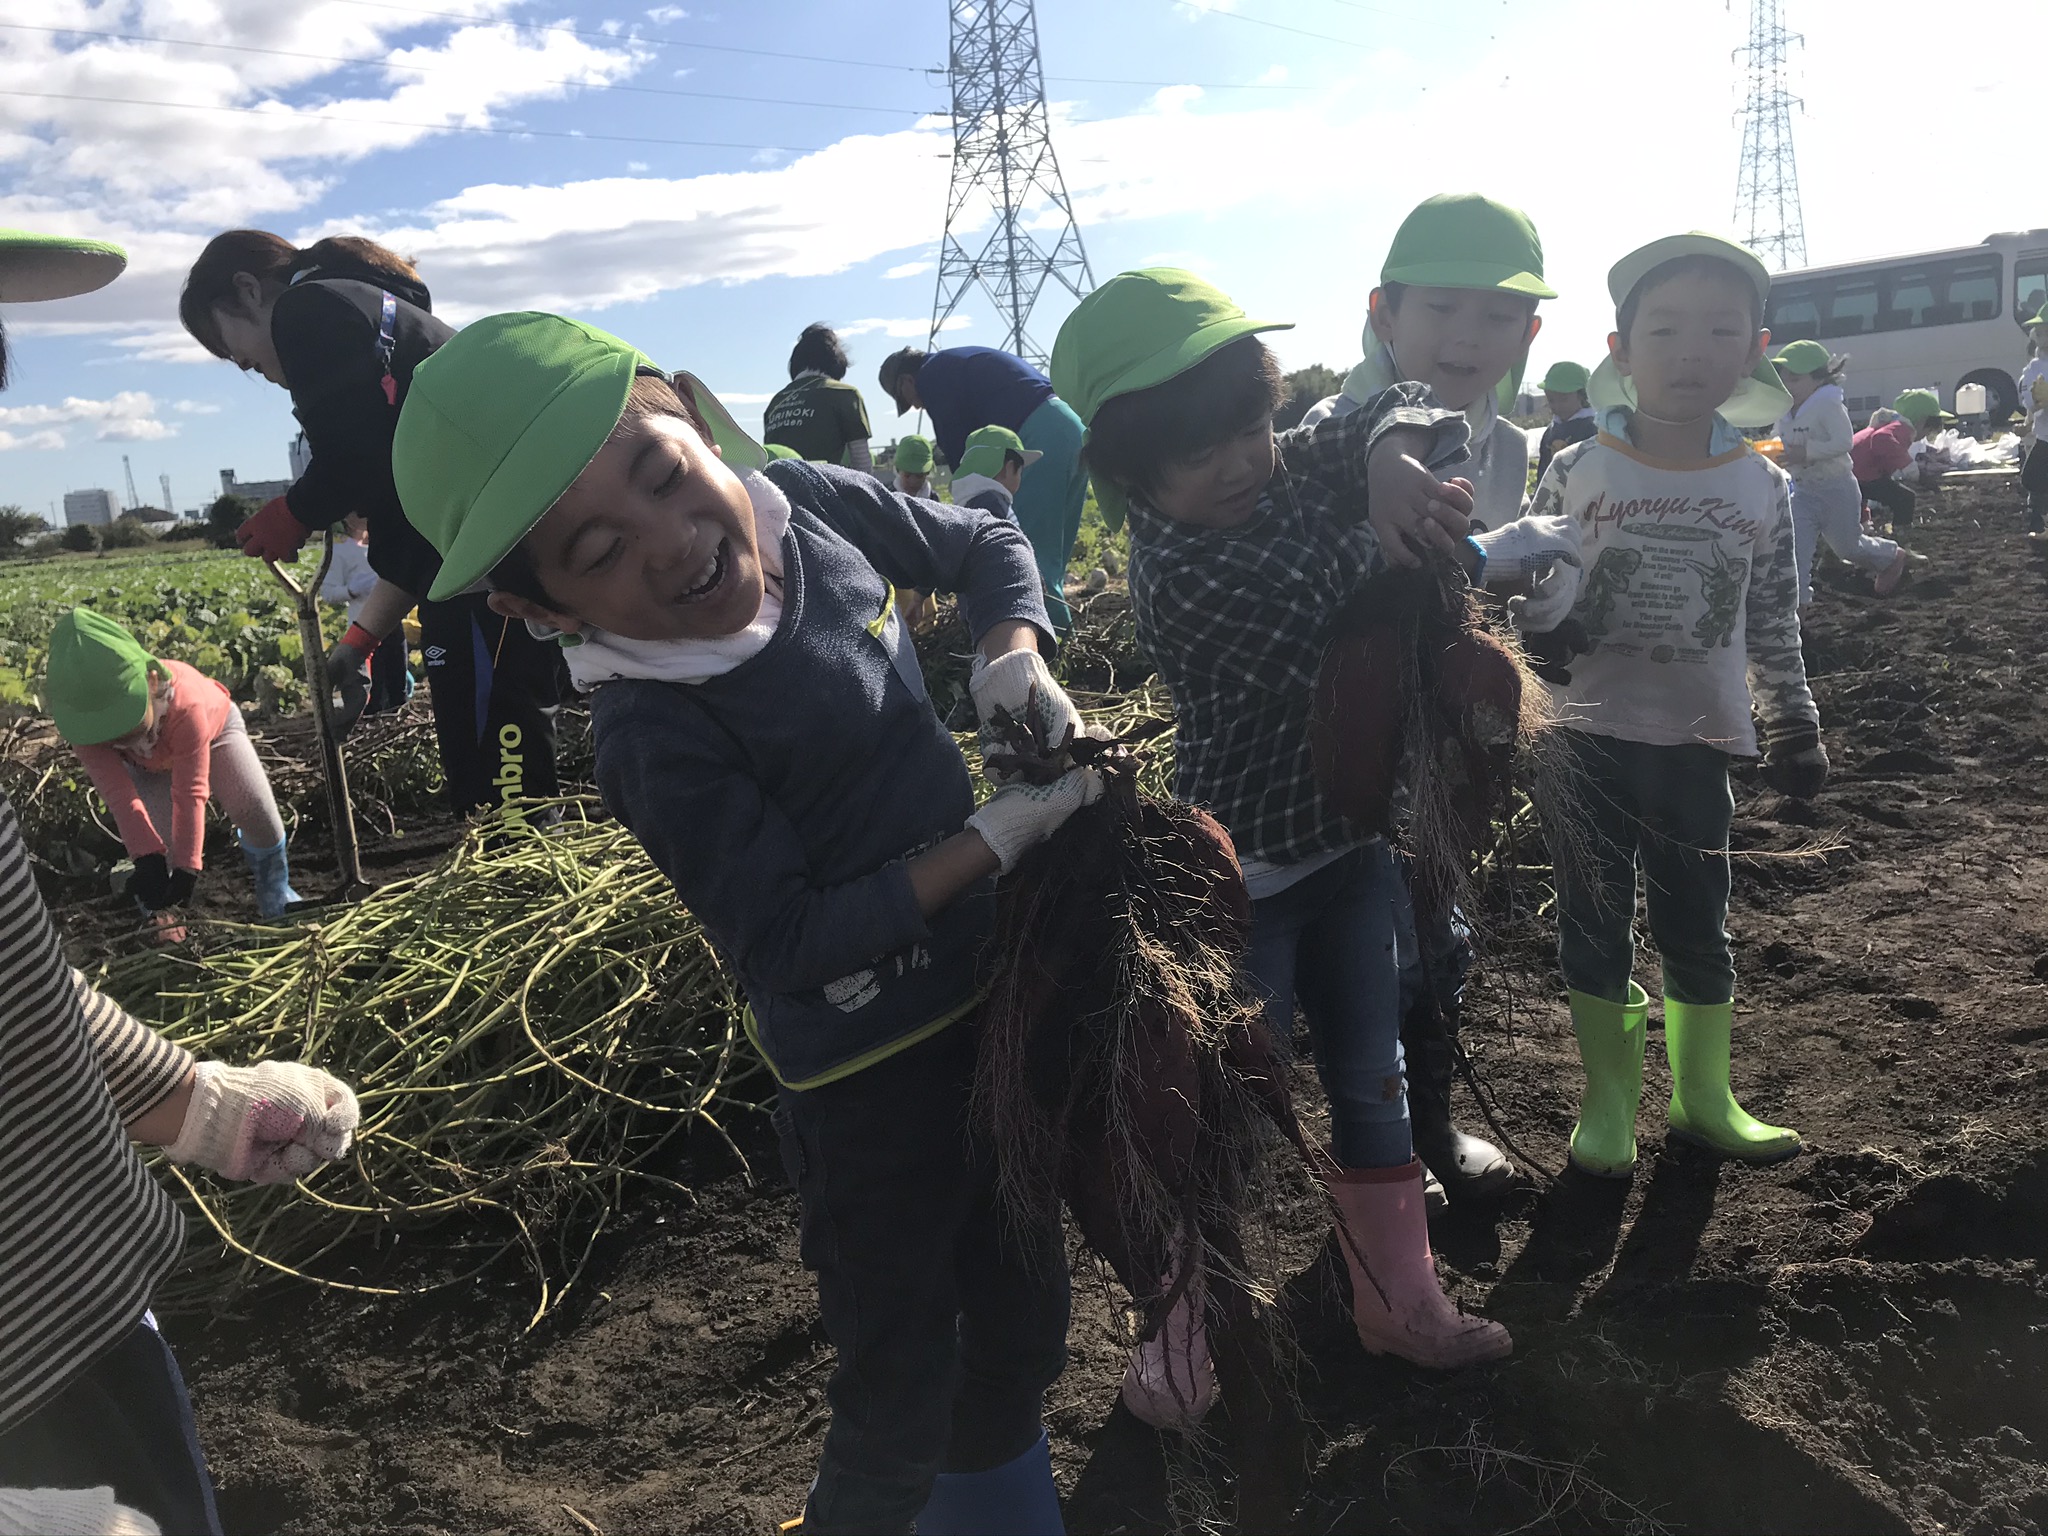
342 324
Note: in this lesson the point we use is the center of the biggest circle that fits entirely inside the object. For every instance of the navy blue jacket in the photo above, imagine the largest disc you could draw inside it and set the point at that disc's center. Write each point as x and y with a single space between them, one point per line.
783 798
967 388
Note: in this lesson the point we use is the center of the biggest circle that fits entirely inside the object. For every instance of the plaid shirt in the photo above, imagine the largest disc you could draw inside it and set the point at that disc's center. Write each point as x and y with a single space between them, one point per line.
1237 620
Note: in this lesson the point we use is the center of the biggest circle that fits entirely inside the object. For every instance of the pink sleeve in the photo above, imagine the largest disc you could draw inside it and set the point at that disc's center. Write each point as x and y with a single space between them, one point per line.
110 776
188 735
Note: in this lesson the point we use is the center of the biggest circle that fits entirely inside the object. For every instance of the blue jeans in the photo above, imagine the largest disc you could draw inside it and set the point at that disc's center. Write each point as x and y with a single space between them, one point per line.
1050 498
1665 811
1327 943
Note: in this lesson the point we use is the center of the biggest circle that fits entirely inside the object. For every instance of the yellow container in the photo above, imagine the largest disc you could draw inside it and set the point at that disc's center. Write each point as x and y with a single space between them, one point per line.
1772 448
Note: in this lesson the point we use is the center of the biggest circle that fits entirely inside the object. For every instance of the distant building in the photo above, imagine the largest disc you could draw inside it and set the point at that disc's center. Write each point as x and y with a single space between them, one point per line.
93 507
253 490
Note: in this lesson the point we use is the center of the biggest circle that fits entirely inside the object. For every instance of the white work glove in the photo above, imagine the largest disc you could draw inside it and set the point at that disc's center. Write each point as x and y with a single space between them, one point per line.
270 1123
1018 817
70 1512
1543 551
1020 682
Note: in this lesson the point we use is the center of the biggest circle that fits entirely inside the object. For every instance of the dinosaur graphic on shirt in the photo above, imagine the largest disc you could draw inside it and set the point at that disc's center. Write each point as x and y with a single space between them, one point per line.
1612 573
1721 588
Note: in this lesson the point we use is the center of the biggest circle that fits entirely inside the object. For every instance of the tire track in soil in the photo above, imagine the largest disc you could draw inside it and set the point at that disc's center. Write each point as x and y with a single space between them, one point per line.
1851 1342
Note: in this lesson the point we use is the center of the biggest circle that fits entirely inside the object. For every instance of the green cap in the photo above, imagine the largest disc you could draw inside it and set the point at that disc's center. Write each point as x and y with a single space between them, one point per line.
1463 240
1803 357
34 267
2039 320
780 451
1136 331
1565 379
913 455
1638 264
1919 406
501 421
98 687
1758 401
985 449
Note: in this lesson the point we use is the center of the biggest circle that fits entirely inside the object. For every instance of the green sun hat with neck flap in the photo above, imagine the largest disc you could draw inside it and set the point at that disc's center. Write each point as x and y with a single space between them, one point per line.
1463 240
502 419
913 456
37 267
1135 332
98 685
985 449
1565 379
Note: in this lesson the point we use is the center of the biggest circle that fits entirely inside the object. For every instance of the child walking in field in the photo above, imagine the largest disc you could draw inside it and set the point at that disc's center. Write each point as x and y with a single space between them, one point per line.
1827 504
1691 599
160 739
1244 548
762 726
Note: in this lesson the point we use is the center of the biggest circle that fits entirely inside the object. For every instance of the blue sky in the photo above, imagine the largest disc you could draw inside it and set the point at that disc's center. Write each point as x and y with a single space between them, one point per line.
1274 162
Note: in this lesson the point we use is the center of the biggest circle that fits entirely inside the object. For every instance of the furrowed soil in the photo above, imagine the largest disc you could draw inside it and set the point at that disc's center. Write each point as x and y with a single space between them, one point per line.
1854 1341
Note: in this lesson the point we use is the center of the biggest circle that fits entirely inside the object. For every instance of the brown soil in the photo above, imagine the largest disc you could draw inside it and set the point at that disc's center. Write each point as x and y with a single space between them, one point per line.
1851 1342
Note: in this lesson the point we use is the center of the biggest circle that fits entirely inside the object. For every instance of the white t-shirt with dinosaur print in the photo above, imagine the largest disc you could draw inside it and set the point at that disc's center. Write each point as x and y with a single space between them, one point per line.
1689 593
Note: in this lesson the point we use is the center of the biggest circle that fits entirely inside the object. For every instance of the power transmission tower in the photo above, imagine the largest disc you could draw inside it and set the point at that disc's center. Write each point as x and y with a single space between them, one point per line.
1003 164
1767 185
129 470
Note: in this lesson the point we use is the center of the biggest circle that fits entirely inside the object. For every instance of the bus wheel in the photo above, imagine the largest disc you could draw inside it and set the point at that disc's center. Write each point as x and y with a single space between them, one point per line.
2001 393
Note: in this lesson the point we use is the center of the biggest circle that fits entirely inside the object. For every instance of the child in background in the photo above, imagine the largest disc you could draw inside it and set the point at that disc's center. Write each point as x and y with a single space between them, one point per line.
160 739
2034 403
1922 410
1571 416
1826 501
763 728
349 583
991 470
914 465
1456 311
1244 548
1691 598
1876 455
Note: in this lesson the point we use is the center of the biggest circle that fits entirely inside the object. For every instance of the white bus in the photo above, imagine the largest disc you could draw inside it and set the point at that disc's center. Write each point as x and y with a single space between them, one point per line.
1930 321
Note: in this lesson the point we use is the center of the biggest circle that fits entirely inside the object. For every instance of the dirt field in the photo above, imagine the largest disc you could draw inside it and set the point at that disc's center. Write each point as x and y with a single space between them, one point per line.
1852 1342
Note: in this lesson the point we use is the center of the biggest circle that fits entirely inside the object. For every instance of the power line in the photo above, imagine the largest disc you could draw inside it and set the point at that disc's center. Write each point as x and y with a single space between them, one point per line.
389 122
1256 21
422 69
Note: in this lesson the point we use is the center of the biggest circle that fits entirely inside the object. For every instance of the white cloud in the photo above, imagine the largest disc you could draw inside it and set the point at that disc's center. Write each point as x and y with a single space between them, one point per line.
1276 74
127 417
11 442
668 13
636 166
195 408
910 269
913 329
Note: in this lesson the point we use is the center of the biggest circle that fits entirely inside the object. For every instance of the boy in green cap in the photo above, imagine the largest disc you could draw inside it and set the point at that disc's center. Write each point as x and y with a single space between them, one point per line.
1244 549
763 728
160 739
1827 503
991 470
1691 600
914 465
1455 311
1571 414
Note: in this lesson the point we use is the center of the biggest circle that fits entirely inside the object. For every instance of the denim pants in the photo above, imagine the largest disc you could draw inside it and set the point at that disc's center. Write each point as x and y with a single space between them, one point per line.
1327 943
949 1323
1665 811
124 1422
1051 496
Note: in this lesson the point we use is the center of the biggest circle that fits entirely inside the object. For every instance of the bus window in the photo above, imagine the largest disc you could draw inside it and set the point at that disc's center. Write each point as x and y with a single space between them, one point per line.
1852 308
1909 295
2030 286
1972 292
1794 315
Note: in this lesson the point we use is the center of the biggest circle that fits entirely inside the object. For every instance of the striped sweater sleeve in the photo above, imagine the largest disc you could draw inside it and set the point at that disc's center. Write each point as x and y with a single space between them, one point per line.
141 1067
1777 665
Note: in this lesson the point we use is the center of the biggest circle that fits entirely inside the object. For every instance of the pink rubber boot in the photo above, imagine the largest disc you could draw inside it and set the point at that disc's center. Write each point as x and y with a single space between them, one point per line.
1171 1381
1406 1313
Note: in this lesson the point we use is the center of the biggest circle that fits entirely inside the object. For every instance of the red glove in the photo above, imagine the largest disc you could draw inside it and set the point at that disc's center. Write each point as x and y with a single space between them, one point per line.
272 533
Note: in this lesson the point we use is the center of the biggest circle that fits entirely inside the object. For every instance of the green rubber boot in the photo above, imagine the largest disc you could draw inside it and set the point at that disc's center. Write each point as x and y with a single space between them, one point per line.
1611 1037
1703 1109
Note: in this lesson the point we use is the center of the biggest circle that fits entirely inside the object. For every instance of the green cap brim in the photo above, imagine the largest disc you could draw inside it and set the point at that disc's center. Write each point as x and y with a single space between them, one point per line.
1759 400
1486 275
739 451
36 267
541 465
1623 276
